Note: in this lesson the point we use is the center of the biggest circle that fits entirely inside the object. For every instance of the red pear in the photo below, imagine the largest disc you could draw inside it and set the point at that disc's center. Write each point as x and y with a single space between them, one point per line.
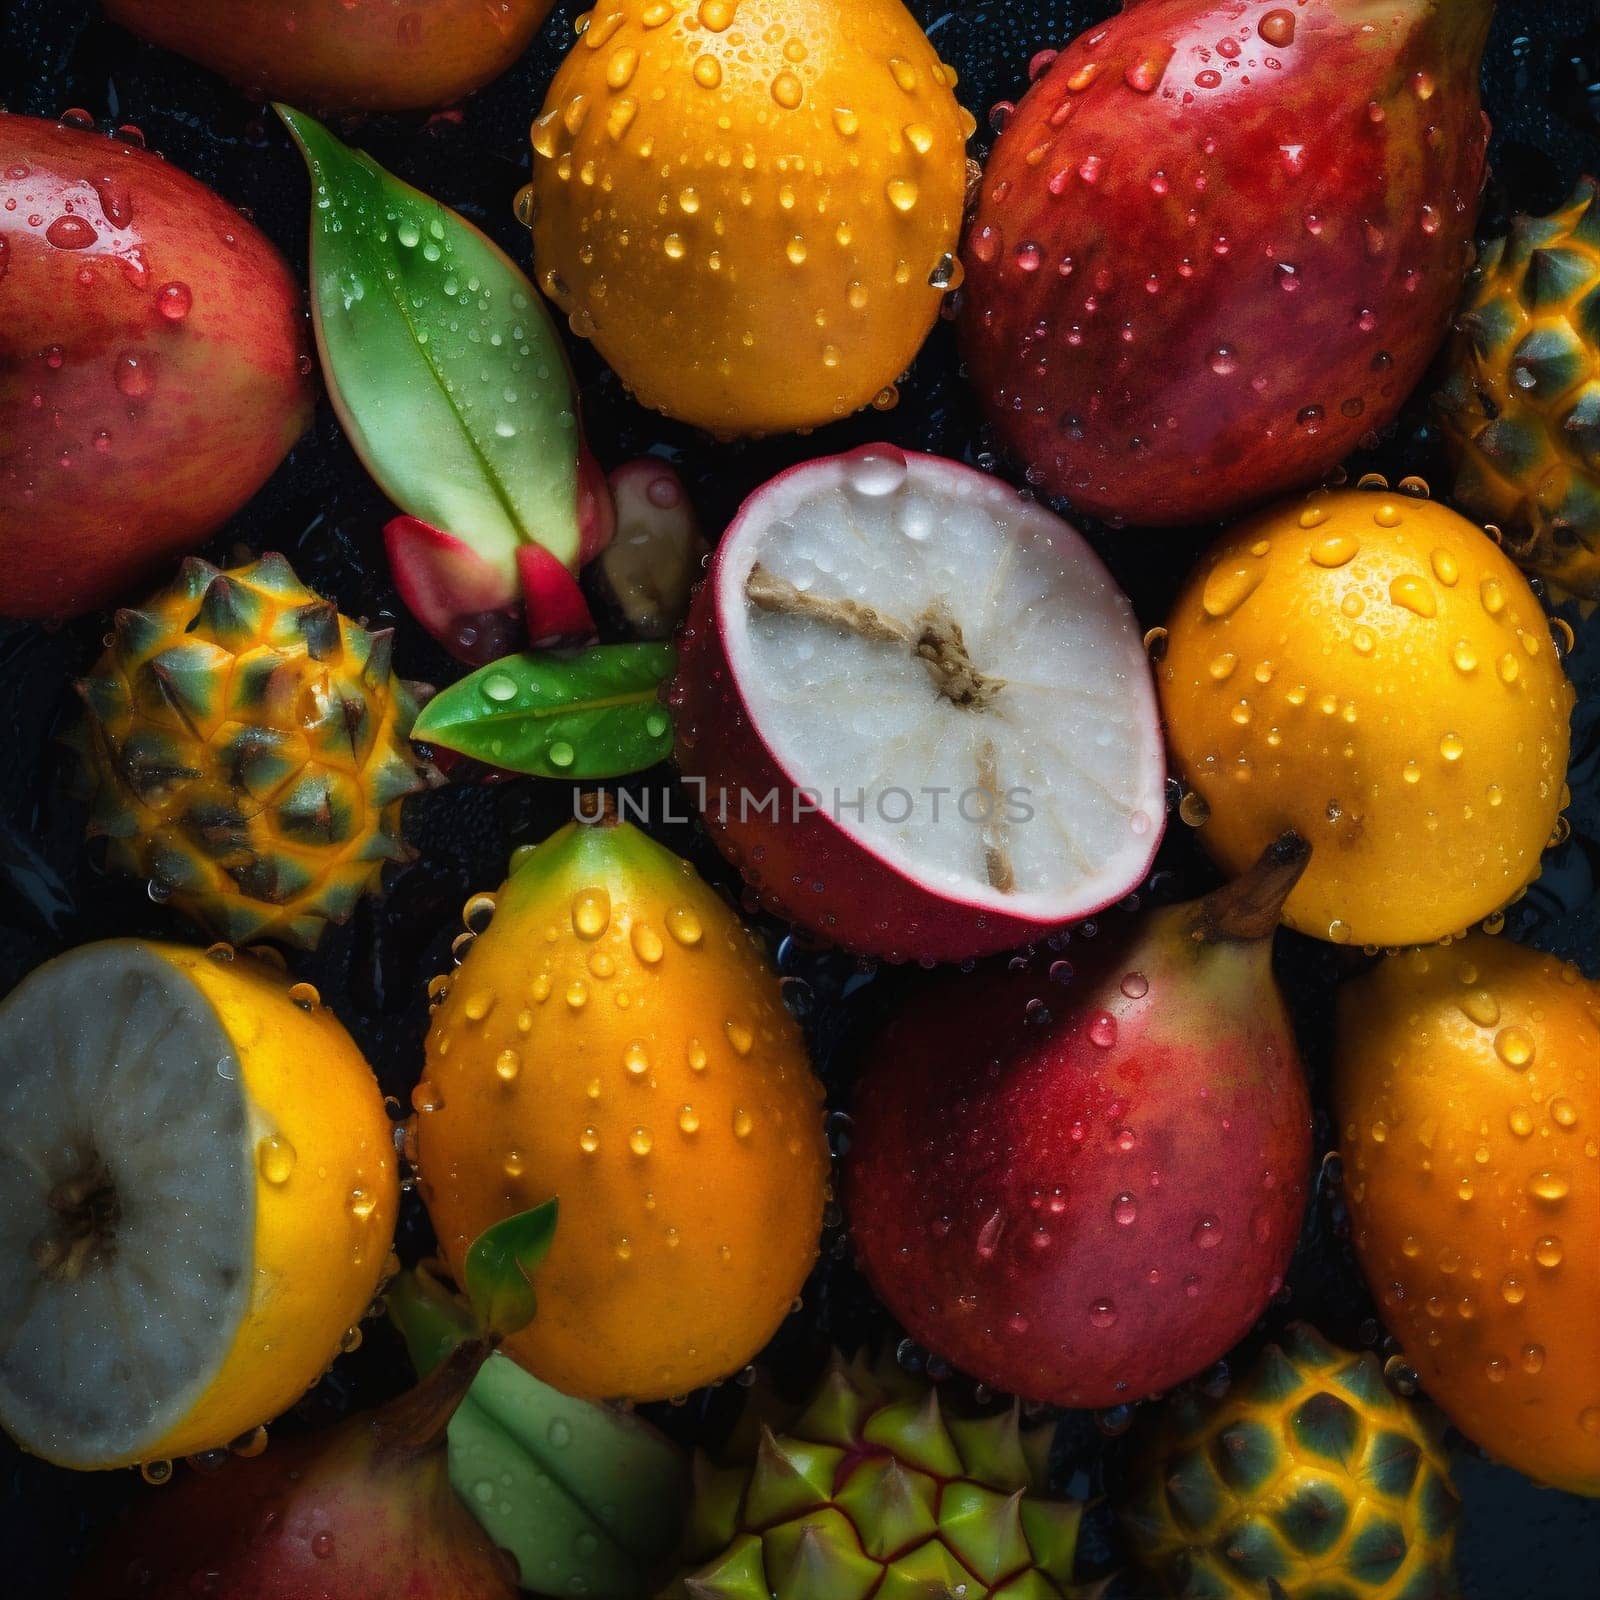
1085 1193
1220 240
364 1510
154 365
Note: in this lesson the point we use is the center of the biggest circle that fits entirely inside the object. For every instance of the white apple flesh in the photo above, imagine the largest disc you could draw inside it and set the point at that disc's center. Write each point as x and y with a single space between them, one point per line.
916 710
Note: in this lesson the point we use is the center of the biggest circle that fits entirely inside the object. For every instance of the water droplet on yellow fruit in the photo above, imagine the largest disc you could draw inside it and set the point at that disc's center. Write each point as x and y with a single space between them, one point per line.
275 1158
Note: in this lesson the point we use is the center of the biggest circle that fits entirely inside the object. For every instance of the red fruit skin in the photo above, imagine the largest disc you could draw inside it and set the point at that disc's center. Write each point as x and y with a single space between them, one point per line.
1132 322
390 55
1088 1206
803 867
154 366
324 1518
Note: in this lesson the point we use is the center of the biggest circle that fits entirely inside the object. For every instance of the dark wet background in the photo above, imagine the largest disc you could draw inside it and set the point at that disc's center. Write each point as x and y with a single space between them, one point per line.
320 509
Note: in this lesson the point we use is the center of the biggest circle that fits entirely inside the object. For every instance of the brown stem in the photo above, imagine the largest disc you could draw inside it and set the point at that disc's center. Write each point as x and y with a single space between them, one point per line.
935 640
597 809
997 859
768 592
415 1422
1250 907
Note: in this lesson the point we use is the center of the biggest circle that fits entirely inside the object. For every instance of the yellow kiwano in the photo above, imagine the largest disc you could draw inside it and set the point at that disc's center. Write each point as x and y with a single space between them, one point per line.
197 1196
751 206
1369 669
615 1039
1467 1091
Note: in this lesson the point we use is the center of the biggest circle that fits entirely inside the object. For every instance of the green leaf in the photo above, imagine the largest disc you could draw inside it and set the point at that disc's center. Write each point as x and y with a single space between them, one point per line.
594 713
582 1493
442 363
500 1266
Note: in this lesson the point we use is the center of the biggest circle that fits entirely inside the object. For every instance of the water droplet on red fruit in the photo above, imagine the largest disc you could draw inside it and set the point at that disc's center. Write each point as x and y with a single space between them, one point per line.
174 301
76 117
322 1546
134 372
1206 1233
70 233
1136 986
1103 1030
1277 29
1124 1211
1102 1314
114 201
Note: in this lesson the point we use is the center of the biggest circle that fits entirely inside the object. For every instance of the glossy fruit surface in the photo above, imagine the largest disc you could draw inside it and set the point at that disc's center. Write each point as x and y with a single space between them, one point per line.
200 1141
616 1039
1309 1473
374 55
1369 668
1467 1093
1084 1187
1521 403
154 365
363 1510
245 747
1218 242
914 709
876 1489
751 206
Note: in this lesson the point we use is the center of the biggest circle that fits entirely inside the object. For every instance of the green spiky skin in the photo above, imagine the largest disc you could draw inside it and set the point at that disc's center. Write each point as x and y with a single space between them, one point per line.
1310 1474
875 1490
1521 404
246 749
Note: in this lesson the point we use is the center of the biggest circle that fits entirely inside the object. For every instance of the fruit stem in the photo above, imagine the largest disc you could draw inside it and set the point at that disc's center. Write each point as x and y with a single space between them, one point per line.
1250 907
415 1422
935 639
597 809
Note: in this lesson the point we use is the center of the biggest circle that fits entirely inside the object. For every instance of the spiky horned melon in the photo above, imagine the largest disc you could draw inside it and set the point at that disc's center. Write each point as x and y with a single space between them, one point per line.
245 749
1521 405
1310 1478
876 1490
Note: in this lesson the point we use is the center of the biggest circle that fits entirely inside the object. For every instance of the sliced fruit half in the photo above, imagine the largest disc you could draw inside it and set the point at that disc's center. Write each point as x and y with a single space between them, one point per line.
916 710
197 1197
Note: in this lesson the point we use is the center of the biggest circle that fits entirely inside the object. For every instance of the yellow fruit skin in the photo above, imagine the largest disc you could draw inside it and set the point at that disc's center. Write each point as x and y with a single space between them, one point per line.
1369 669
1474 1189
742 201
322 1235
657 1087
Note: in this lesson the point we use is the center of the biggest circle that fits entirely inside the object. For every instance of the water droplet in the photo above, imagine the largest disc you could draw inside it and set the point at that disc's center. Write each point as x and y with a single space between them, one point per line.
684 926
361 1203
589 1141
786 89
740 1037
561 754
1336 550
499 687
639 1141
1103 1030
1415 595
636 1059
1229 585
507 1065
591 913
275 1158
743 1123
1551 1187
1277 29
1548 1251
1514 1046
1102 1314
1206 1233
1124 1211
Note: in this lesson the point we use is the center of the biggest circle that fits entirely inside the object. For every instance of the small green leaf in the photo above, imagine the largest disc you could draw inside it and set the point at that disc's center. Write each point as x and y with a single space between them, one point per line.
595 713
591 1496
440 358
500 1266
